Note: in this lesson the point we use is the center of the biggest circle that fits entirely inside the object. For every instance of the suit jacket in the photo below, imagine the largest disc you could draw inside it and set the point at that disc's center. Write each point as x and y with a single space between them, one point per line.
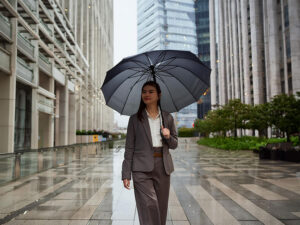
138 154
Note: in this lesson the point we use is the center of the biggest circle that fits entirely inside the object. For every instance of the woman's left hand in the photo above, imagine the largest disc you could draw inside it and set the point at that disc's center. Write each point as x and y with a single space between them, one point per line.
165 132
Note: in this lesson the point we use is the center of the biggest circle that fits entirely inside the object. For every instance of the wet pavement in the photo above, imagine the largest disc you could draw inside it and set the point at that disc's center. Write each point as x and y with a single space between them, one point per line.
208 186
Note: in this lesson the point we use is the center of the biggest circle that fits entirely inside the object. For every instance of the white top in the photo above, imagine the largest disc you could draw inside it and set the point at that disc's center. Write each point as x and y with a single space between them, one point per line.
155 127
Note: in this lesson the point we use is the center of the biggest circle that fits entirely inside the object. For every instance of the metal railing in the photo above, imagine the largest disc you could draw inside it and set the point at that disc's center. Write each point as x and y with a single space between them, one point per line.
23 70
25 44
5 26
31 4
26 162
45 63
46 27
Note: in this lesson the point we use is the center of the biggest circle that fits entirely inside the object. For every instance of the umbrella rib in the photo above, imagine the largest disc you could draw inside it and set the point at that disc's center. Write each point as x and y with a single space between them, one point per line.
121 84
137 62
130 92
183 85
161 70
160 78
136 69
148 58
165 75
190 72
164 65
157 59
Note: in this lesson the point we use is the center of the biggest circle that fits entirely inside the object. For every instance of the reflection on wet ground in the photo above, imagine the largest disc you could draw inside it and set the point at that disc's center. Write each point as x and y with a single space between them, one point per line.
208 186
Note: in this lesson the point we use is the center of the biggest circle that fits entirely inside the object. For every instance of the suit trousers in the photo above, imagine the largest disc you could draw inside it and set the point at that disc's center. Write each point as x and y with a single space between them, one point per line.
151 191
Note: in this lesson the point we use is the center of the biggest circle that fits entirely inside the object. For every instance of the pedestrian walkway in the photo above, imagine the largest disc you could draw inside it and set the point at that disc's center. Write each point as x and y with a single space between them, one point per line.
208 186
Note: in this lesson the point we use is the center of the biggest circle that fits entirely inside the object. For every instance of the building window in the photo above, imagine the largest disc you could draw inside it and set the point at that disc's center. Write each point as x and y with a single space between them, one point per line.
23 117
286 16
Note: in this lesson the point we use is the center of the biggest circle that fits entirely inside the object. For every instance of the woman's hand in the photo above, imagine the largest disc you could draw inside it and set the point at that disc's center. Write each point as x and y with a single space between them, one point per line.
126 183
165 132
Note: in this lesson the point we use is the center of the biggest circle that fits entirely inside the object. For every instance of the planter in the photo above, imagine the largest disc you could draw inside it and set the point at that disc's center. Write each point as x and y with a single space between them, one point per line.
275 155
292 156
84 138
264 153
78 139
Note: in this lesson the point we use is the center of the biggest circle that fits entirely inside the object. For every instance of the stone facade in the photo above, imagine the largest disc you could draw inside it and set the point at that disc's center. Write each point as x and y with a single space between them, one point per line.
254 49
54 57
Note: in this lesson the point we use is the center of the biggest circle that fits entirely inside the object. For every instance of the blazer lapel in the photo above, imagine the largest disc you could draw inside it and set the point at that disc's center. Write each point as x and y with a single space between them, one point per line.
147 126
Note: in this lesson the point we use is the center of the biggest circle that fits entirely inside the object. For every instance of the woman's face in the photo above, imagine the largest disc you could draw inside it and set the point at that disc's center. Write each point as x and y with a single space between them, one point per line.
149 95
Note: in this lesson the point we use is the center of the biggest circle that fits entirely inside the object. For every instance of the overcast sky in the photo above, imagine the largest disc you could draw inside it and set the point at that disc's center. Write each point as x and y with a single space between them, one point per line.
125 37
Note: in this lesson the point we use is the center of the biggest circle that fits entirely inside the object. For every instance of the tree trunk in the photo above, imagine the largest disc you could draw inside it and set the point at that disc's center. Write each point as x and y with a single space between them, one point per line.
288 137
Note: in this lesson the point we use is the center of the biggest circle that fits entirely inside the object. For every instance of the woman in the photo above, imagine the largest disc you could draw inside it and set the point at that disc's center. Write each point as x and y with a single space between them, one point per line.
148 158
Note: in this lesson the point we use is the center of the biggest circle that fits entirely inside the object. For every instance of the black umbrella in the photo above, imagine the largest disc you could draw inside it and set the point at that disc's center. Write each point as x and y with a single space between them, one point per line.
182 77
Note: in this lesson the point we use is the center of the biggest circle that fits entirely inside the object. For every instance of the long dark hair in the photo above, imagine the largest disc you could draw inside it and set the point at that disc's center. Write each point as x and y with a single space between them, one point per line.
142 104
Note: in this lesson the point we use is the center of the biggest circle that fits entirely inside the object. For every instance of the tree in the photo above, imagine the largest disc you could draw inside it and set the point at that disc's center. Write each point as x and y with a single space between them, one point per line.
235 113
202 126
259 118
284 114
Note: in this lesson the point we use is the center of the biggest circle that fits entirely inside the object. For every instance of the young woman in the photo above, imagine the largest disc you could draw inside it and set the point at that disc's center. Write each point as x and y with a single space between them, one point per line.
148 158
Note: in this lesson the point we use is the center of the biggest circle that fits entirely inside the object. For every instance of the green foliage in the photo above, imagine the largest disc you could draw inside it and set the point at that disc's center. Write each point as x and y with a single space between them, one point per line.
186 132
98 132
282 113
235 113
83 132
242 143
258 117
202 126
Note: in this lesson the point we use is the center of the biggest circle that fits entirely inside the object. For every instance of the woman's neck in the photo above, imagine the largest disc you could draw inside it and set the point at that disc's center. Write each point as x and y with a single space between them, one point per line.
152 109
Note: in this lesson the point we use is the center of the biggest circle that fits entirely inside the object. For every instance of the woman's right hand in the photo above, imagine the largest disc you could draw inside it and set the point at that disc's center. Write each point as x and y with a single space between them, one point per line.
126 183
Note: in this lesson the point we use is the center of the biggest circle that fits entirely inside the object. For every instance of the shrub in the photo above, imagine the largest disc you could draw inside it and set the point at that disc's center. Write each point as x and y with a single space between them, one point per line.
242 143
187 132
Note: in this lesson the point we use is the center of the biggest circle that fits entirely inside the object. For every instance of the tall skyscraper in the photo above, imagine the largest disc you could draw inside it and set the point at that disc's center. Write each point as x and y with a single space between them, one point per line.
169 24
54 55
202 30
255 49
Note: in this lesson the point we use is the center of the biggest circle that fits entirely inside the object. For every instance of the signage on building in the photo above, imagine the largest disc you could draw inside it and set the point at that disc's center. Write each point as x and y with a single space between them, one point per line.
95 138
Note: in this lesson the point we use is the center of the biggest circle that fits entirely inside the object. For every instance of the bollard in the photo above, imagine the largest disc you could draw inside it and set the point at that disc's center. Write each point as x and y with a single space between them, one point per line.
73 153
54 163
17 173
40 161
78 151
66 155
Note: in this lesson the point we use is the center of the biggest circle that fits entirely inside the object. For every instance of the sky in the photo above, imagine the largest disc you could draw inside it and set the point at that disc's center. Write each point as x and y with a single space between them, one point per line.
125 38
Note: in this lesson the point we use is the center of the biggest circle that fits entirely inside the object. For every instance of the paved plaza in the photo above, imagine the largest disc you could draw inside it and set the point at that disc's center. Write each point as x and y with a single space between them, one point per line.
208 186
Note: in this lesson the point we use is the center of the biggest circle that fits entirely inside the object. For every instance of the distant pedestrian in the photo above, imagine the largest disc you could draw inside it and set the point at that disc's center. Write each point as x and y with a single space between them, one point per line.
148 158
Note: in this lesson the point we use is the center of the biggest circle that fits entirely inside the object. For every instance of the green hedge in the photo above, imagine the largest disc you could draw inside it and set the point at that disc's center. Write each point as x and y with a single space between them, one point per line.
100 132
242 143
187 132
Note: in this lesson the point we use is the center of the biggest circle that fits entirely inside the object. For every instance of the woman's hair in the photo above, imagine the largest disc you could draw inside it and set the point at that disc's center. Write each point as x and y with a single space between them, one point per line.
142 104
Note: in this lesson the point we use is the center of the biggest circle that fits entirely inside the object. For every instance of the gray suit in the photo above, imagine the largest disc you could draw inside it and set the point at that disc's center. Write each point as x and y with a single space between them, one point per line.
139 149
151 175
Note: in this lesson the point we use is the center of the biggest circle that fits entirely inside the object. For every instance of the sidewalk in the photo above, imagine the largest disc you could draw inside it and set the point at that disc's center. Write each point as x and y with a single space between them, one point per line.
208 186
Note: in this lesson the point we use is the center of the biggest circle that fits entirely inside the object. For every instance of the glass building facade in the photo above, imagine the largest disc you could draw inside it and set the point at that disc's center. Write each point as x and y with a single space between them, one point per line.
169 24
202 29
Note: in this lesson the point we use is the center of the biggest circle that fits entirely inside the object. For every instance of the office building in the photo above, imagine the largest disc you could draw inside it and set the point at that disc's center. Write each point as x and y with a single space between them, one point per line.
203 41
54 55
255 49
169 24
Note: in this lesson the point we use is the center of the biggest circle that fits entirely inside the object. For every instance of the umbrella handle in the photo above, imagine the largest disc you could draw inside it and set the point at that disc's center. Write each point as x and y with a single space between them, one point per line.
162 116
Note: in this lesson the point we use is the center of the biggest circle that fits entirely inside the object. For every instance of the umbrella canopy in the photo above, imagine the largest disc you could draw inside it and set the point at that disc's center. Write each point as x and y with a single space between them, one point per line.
182 77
